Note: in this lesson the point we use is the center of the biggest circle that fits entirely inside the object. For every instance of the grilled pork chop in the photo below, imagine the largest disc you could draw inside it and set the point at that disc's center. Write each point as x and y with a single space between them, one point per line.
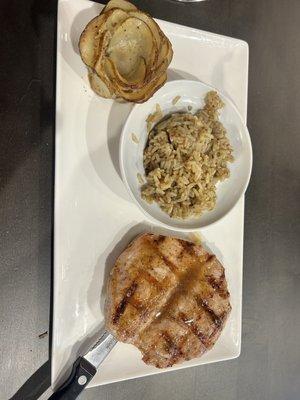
168 297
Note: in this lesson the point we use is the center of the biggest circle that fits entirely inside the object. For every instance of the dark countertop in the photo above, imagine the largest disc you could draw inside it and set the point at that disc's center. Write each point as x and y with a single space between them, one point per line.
269 365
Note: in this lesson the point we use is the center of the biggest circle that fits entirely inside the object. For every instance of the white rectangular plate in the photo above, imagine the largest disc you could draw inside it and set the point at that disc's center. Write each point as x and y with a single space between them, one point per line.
94 216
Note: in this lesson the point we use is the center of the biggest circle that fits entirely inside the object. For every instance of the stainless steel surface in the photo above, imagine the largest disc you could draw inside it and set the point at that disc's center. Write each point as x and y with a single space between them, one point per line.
101 349
269 365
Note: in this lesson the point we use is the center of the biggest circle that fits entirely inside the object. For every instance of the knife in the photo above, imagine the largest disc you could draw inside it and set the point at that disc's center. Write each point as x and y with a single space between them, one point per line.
85 368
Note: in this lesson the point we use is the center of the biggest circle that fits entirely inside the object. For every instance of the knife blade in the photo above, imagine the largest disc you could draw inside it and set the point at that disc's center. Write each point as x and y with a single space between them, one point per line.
84 368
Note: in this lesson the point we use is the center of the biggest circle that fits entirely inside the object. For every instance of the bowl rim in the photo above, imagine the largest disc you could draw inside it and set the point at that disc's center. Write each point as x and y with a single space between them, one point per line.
244 185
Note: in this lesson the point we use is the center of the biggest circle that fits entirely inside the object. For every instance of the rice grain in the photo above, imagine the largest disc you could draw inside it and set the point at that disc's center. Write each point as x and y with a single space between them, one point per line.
186 155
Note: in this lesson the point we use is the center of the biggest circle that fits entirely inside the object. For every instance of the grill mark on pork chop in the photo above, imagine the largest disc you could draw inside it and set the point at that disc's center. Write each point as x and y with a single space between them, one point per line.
224 294
155 243
123 303
214 283
217 320
172 348
169 263
139 305
150 278
218 284
128 297
193 327
159 239
187 246
187 279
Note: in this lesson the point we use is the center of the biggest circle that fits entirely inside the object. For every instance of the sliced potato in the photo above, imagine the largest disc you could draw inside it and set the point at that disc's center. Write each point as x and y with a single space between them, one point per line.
166 52
90 40
162 41
132 41
99 86
143 94
122 4
126 52
87 45
112 19
166 59
130 51
134 79
151 24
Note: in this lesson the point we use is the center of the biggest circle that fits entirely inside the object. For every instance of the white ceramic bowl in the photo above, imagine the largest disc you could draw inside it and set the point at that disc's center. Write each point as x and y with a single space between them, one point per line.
131 154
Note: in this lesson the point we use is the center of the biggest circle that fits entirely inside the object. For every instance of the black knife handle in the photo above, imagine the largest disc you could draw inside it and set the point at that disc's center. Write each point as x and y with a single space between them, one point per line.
81 374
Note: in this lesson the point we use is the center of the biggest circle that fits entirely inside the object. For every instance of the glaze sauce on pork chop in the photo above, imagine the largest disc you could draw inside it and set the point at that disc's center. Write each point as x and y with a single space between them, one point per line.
168 297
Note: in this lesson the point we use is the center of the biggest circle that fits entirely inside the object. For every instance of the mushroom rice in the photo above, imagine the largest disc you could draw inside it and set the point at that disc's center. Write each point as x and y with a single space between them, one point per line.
185 157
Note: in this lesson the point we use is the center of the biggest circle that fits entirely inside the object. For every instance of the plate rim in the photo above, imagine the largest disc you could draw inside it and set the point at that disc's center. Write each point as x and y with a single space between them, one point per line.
246 135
